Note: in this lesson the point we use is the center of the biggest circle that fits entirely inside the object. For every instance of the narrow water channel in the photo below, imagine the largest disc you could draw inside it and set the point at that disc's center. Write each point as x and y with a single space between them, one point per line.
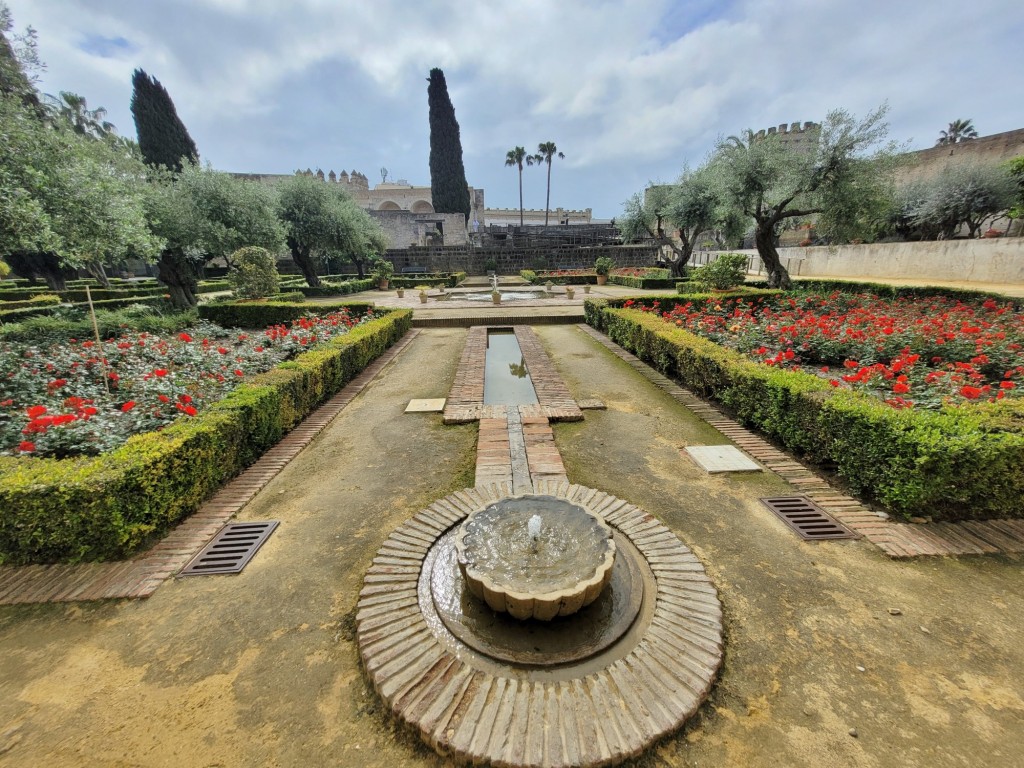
506 378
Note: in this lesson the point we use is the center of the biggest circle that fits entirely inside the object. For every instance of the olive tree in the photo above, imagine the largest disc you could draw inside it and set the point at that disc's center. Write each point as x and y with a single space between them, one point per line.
964 195
204 214
841 180
322 221
690 206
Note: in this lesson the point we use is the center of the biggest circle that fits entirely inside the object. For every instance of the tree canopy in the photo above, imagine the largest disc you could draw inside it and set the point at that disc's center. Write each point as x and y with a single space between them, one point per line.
163 138
957 132
202 214
321 221
844 179
515 158
546 152
685 209
448 188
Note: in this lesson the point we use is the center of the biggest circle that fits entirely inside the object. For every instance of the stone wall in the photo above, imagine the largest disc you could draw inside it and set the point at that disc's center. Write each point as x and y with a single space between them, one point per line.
987 150
509 261
995 260
535 216
405 229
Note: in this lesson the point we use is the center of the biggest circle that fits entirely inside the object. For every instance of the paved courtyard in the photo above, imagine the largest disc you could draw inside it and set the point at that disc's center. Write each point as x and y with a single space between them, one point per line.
835 654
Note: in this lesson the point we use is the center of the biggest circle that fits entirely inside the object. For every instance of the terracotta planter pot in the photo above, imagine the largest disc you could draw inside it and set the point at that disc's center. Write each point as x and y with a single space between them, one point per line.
570 292
382 284
496 298
423 297
401 293
602 279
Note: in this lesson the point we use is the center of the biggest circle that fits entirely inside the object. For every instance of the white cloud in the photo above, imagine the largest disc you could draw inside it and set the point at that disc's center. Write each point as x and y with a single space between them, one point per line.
628 90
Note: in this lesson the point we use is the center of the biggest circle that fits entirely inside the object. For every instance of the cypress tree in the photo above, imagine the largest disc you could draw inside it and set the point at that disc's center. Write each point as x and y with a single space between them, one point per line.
163 138
448 188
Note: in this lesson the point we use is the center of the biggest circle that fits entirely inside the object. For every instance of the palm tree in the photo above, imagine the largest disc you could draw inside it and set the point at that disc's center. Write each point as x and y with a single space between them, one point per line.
545 153
73 109
516 157
958 131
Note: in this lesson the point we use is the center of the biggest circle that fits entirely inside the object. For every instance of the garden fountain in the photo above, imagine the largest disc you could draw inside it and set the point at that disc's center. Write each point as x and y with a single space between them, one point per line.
535 557
553 688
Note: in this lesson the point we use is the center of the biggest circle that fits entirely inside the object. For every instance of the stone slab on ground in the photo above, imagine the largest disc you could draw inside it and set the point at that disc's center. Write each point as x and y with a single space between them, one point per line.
721 458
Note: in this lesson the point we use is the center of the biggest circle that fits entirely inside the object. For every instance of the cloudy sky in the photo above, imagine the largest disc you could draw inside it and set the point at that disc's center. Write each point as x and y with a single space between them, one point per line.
630 90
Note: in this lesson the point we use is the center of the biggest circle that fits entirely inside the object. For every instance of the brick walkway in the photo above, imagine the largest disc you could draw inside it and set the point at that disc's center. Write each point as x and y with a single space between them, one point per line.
140 576
897 540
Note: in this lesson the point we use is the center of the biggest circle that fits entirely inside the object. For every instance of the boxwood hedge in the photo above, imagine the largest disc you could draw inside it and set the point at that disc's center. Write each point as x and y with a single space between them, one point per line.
106 507
955 464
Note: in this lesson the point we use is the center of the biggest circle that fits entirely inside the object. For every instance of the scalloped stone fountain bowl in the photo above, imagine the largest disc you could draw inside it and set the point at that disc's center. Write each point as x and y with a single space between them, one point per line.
535 557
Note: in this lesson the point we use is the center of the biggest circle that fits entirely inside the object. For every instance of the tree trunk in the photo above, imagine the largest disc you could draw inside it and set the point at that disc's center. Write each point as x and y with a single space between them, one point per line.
175 271
305 263
520 195
359 268
547 201
764 239
96 270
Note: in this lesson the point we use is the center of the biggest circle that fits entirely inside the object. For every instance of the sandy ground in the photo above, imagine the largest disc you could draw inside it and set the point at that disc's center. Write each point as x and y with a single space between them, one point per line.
261 669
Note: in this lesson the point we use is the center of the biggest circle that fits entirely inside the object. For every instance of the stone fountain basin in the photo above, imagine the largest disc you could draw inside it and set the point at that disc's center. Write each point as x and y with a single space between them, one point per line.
567 571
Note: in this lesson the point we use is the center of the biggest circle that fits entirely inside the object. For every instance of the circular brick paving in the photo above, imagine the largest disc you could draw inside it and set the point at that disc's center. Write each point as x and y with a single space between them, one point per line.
598 712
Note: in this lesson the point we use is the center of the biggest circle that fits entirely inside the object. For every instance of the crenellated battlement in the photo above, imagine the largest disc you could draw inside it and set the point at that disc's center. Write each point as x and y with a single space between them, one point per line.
354 179
799 131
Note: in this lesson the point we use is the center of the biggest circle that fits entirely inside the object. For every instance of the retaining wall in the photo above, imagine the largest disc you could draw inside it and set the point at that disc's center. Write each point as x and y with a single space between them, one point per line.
995 260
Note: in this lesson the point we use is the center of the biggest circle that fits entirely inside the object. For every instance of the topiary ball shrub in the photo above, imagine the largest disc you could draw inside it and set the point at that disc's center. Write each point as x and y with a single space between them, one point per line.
725 272
254 274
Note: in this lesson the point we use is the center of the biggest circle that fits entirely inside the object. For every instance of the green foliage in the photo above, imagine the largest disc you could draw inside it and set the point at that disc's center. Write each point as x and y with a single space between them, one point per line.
961 195
254 273
163 138
262 314
74 323
727 271
956 464
109 506
338 289
528 275
603 265
448 187
321 221
845 179
382 269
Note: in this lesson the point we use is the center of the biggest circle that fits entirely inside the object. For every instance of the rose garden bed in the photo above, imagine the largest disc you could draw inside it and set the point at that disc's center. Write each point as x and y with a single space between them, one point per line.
183 415
915 401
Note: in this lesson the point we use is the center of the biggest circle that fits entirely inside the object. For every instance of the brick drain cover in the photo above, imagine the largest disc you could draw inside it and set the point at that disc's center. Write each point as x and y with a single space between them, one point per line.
231 549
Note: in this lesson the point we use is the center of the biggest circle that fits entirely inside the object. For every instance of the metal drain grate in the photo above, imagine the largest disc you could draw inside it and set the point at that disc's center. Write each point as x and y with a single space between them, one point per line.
231 549
809 520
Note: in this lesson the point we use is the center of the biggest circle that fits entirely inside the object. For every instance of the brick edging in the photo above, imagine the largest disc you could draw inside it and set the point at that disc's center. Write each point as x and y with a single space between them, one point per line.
897 540
141 575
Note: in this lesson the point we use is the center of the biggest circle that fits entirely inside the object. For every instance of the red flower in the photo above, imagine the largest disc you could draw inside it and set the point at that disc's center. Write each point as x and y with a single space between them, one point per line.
850 364
164 398
127 406
64 418
1006 385
185 398
160 372
26 446
190 410
35 411
238 372
57 383
184 337
900 388
222 350
971 393
833 382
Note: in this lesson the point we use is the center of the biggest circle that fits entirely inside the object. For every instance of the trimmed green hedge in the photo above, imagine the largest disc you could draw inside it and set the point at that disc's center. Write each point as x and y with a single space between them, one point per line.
42 300
106 507
260 314
955 464
643 283
888 291
336 289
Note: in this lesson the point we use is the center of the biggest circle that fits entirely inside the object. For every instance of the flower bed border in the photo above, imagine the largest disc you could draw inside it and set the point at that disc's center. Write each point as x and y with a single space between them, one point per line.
107 507
956 464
